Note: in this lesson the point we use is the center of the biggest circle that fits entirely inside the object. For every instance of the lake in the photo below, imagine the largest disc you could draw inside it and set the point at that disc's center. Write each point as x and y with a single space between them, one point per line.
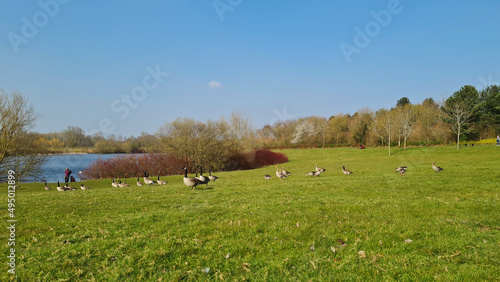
53 168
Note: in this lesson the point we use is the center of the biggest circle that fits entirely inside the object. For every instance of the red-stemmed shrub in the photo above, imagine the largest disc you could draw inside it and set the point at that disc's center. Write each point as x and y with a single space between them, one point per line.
255 159
133 165
126 166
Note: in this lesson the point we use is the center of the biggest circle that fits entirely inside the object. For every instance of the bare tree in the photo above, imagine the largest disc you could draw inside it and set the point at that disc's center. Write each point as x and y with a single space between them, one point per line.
240 130
406 117
458 116
17 117
73 136
384 126
202 144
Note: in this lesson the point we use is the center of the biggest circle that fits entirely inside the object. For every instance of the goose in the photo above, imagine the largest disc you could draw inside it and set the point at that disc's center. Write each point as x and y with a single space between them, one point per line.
114 184
313 173
69 187
83 187
120 184
284 171
320 169
61 189
212 177
147 180
401 170
345 171
47 187
202 177
190 181
267 176
161 182
139 183
436 168
279 174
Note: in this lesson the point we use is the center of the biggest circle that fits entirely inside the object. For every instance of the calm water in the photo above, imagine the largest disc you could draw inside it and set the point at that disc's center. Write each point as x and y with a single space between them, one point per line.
53 169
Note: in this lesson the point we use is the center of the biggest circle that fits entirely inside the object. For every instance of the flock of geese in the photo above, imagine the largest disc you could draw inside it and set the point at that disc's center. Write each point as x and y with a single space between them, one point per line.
198 180
66 187
282 173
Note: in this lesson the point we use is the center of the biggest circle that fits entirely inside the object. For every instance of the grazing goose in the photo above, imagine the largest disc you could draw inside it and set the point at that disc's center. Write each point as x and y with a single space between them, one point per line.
436 168
313 173
345 171
284 171
267 176
114 184
190 181
47 187
61 189
161 182
212 177
120 184
69 187
401 170
138 182
83 187
147 180
202 177
320 169
279 174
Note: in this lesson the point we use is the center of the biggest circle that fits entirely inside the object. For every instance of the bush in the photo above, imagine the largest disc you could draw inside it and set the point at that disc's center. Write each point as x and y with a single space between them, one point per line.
255 159
126 166
133 165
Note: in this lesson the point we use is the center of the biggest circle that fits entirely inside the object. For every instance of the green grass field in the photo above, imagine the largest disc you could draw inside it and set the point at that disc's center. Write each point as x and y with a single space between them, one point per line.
372 225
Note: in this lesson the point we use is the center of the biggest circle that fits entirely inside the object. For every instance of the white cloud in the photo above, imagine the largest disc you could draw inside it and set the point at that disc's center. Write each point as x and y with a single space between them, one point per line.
214 84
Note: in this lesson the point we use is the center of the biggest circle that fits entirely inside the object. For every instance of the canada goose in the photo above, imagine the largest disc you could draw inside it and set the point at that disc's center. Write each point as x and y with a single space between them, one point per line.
190 181
47 187
345 171
203 178
161 182
284 171
320 169
267 176
69 187
83 187
279 174
114 184
313 173
401 170
212 177
120 184
139 183
61 189
436 168
147 180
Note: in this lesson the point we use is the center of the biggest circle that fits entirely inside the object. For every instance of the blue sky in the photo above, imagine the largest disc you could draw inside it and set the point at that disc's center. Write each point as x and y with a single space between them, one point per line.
124 67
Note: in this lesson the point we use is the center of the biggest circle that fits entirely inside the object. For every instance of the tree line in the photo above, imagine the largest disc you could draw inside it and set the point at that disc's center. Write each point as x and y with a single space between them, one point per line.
468 114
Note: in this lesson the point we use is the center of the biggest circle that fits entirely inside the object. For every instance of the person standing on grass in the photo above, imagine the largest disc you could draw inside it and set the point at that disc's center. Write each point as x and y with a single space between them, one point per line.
498 140
67 173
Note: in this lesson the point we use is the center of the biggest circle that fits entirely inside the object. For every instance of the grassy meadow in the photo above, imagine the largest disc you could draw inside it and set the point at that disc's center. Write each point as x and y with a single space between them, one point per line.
372 225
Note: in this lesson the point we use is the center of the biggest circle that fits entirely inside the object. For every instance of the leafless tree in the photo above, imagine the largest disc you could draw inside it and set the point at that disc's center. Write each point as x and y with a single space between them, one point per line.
384 126
458 116
17 117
